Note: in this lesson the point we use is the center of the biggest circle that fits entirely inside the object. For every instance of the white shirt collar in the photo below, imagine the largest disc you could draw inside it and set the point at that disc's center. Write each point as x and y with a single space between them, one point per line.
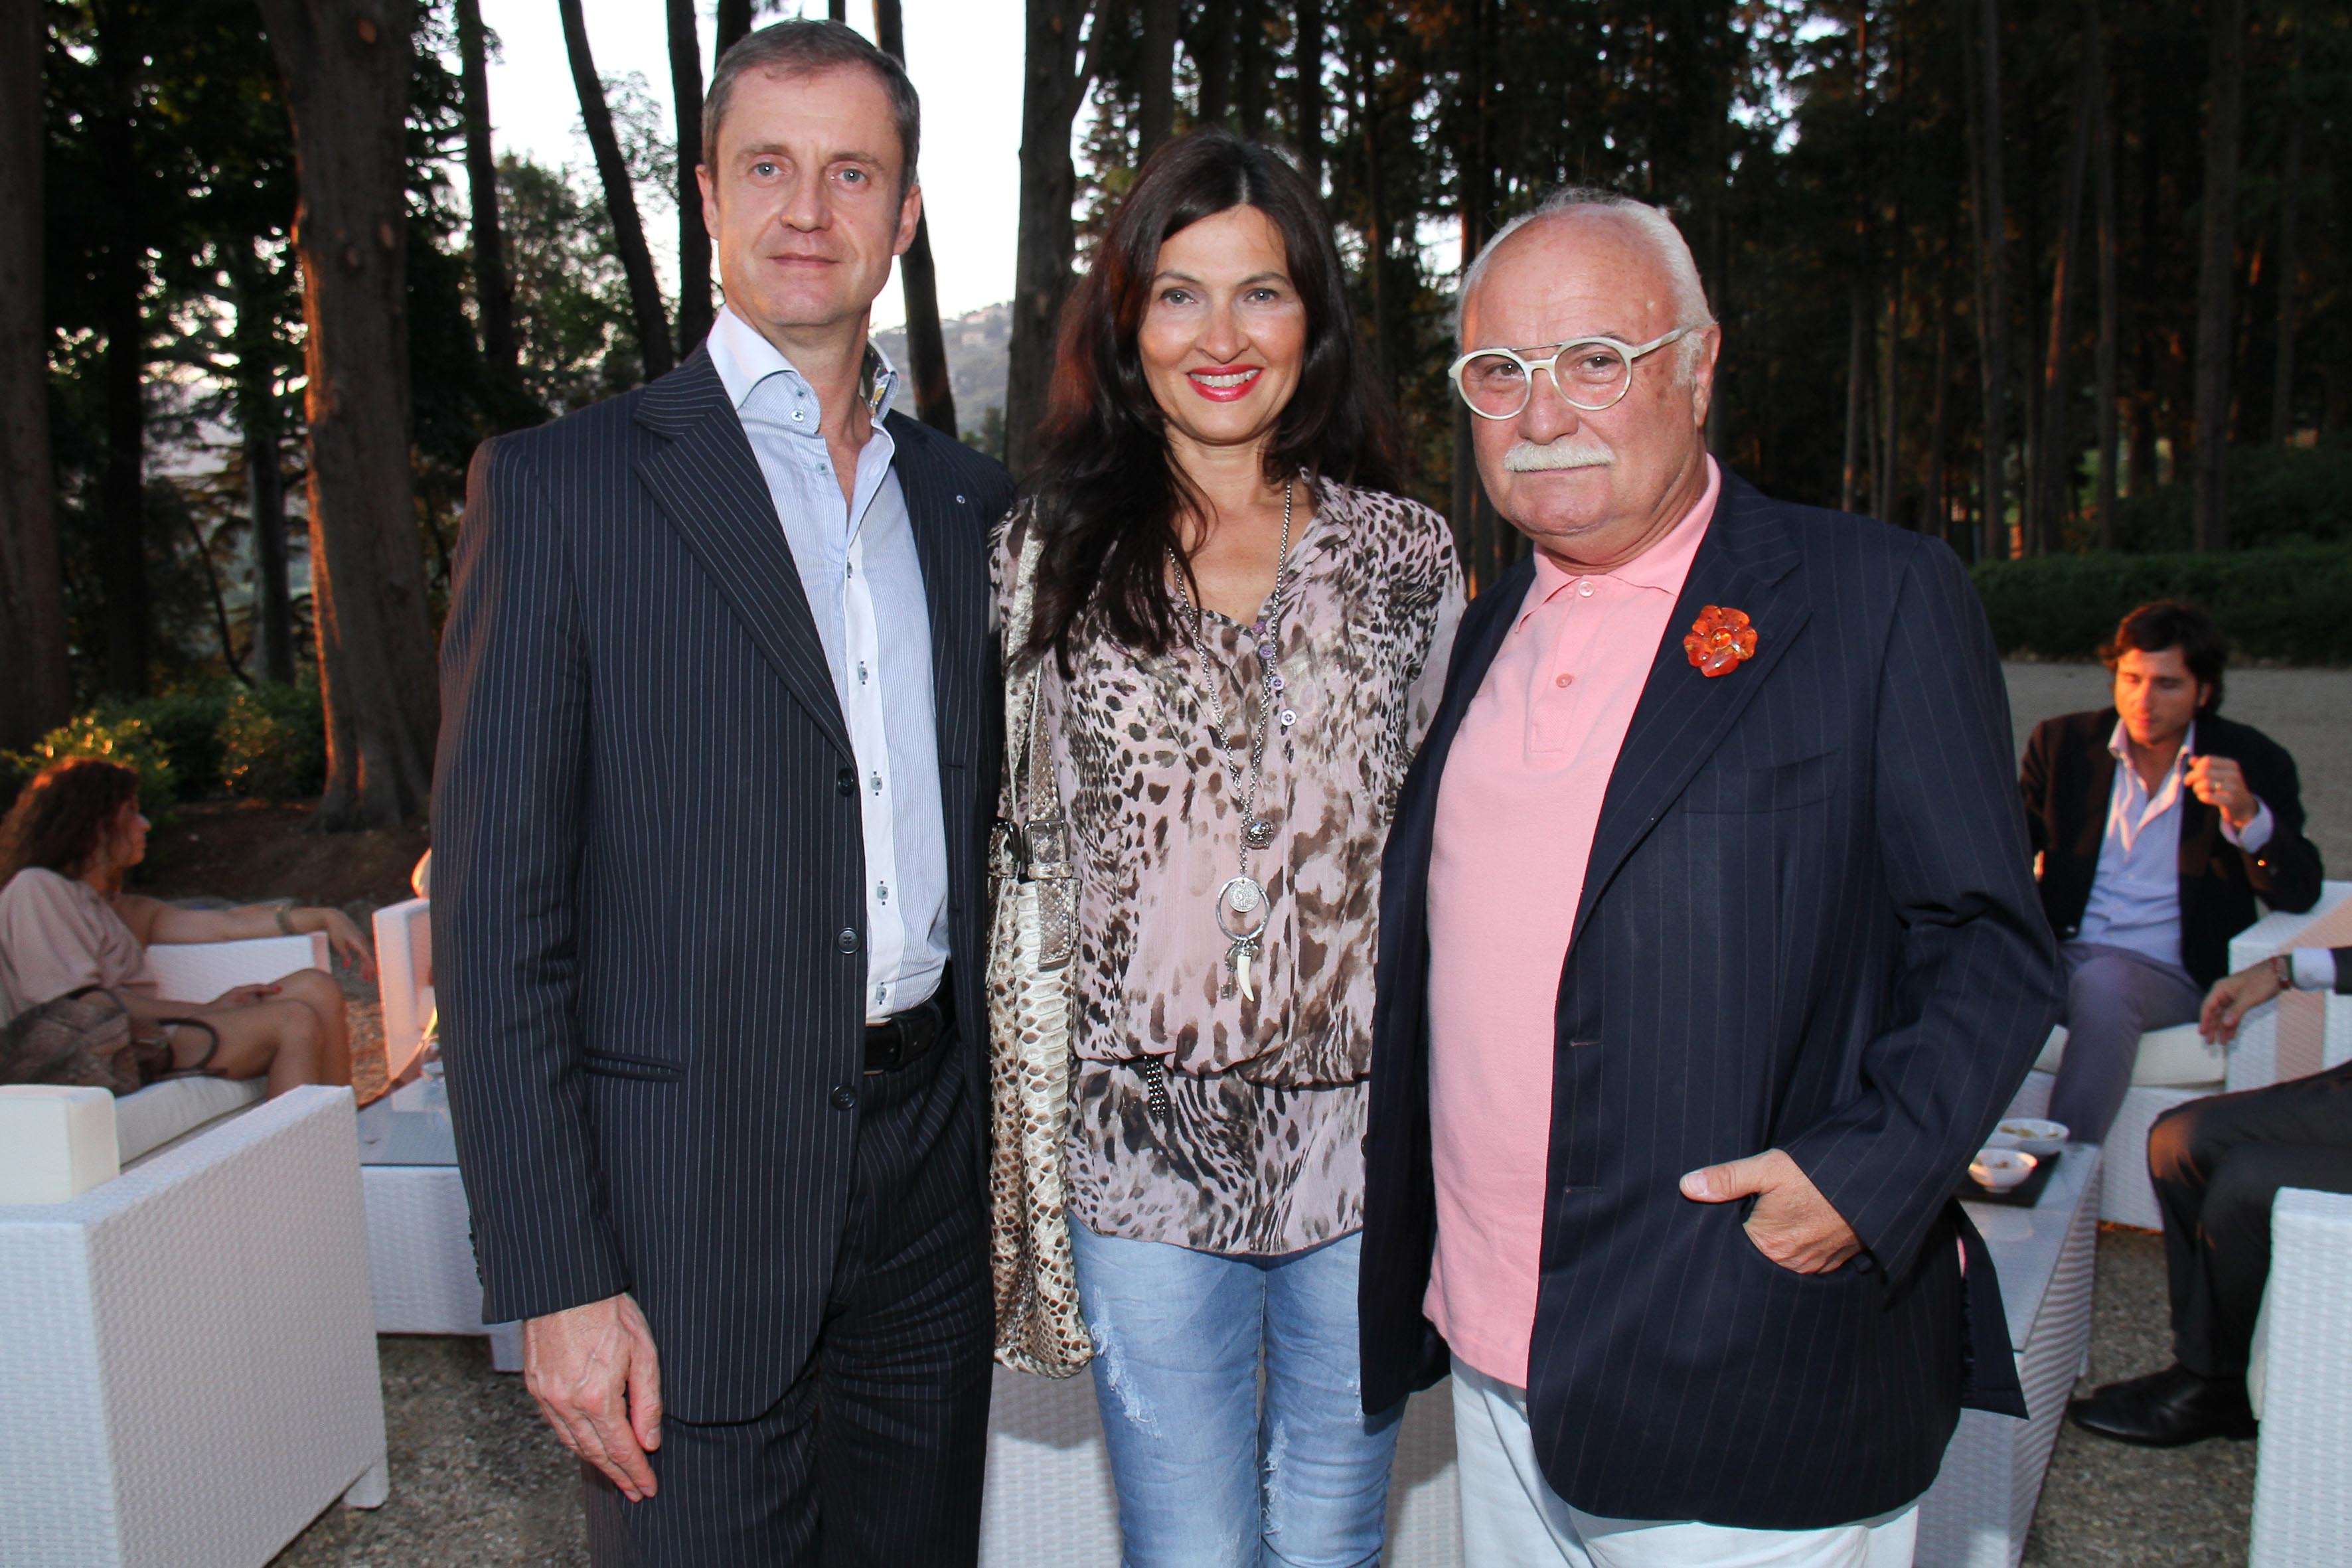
2119 747
744 358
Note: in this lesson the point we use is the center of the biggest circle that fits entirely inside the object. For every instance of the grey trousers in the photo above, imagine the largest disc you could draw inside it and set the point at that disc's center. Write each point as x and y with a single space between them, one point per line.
2114 995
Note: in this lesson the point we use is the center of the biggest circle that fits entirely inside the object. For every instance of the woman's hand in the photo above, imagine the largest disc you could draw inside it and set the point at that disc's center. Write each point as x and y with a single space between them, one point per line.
244 995
341 935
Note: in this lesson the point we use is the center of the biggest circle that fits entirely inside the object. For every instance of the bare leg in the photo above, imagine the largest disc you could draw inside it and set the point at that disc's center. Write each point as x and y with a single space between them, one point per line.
279 1037
318 991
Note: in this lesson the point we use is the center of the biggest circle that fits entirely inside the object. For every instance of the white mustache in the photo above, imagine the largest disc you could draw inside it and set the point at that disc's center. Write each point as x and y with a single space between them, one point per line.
1581 451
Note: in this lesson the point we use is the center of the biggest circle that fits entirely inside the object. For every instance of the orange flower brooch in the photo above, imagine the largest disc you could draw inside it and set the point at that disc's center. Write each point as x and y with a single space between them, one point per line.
1720 641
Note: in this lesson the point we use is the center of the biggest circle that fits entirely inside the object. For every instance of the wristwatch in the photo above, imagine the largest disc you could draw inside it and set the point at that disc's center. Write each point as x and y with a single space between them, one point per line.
2283 970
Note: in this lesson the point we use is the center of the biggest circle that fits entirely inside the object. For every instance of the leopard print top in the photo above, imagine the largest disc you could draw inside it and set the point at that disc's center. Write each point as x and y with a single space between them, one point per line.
1263 1151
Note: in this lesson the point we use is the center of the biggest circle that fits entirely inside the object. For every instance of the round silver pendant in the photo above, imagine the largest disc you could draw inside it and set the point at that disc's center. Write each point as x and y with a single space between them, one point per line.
1243 909
1244 894
1257 832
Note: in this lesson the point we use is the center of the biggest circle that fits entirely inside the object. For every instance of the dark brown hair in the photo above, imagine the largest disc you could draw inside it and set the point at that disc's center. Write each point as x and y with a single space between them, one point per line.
2175 623
1106 494
807 47
60 820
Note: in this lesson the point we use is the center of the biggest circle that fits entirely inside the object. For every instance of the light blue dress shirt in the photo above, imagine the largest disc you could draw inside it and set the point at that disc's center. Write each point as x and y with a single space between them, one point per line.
864 580
2135 900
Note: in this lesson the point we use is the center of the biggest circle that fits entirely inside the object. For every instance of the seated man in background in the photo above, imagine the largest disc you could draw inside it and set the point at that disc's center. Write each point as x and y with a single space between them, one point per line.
2217 1164
2158 822
65 923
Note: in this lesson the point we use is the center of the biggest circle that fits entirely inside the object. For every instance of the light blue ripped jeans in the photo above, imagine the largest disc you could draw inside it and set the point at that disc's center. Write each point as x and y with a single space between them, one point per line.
1209 1473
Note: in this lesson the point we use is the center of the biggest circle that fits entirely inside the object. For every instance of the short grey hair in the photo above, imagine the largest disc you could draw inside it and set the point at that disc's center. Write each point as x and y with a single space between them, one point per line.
1655 225
806 47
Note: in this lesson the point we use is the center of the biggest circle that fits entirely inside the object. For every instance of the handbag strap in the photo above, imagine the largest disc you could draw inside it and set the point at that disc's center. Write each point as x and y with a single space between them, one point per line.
1031 776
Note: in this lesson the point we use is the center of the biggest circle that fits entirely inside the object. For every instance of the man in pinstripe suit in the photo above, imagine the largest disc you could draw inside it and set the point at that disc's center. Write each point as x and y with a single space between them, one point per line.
1708 955
714 775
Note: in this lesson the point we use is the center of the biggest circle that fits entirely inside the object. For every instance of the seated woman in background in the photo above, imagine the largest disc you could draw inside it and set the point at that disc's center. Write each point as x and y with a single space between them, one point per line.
65 923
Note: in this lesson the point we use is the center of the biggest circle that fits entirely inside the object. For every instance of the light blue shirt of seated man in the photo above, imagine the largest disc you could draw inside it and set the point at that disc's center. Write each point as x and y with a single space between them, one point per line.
2135 900
864 584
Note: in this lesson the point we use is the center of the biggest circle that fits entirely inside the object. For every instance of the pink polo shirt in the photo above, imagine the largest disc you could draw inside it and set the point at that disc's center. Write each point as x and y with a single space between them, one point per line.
1515 814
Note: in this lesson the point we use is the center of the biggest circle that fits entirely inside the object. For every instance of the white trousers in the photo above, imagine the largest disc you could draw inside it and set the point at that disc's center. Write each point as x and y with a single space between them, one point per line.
1511 1516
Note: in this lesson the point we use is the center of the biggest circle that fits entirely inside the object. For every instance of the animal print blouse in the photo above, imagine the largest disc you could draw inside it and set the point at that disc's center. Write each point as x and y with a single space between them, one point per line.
1262 1148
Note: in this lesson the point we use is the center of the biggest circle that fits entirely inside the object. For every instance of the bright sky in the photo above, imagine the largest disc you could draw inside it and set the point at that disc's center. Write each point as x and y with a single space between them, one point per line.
963 55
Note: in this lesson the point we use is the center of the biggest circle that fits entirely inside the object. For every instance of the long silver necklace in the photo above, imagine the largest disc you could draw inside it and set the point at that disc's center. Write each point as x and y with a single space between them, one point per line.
1242 907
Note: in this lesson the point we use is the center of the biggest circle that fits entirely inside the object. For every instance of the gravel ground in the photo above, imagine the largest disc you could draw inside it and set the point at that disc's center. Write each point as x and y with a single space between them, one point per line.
477 1480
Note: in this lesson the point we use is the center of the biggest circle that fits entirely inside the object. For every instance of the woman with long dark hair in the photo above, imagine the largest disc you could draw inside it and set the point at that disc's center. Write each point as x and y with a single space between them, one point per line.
1242 630
65 923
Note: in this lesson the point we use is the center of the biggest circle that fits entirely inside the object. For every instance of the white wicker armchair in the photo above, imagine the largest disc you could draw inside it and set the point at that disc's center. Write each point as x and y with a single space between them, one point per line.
2303 1478
188 1366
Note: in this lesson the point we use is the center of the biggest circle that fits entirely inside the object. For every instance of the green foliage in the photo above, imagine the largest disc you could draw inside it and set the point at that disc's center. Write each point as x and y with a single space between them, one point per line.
273 742
115 737
2277 496
2284 603
185 725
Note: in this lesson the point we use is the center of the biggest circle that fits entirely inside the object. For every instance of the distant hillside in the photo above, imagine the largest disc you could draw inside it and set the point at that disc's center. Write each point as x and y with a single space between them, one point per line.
977 346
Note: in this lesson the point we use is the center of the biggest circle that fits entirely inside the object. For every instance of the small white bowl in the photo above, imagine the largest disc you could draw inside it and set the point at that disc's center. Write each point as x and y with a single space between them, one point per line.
2038 1138
2002 1168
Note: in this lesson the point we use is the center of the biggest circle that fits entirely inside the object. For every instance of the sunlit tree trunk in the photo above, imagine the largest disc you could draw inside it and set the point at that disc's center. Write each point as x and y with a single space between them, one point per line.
919 278
2216 256
255 341
646 315
36 692
346 65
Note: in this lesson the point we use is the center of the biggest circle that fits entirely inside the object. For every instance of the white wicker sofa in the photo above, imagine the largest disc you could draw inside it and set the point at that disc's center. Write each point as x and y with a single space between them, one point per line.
2302 1386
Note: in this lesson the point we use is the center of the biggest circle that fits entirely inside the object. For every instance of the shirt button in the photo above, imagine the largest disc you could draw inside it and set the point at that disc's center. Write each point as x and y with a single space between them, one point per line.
1563 681
796 416
844 1098
846 783
1583 589
846 940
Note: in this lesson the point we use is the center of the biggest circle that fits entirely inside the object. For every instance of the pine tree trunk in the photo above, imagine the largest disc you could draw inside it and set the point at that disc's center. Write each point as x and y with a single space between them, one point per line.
919 277
1252 65
1306 90
1937 501
493 294
1211 48
2110 301
1853 379
2282 367
2216 256
258 424
1156 122
346 67
37 691
1993 277
1054 84
734 20
2053 465
123 321
647 316
694 311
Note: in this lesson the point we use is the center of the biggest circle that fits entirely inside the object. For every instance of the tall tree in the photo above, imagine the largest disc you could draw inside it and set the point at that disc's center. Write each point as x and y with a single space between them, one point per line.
734 21
2216 261
693 313
37 691
1054 84
646 315
2053 454
1992 274
261 433
2110 299
121 283
918 276
1252 66
1156 122
347 70
493 294
1211 45
2287 262
1306 88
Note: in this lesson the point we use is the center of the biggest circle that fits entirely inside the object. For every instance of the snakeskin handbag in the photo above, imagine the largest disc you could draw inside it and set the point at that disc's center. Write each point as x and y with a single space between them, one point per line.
1034 934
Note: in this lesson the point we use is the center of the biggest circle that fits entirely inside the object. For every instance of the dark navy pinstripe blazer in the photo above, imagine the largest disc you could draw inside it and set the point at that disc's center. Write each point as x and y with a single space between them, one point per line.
647 912
1808 924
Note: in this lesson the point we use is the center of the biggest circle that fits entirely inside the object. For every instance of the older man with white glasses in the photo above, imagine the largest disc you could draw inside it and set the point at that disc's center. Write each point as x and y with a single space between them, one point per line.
1708 956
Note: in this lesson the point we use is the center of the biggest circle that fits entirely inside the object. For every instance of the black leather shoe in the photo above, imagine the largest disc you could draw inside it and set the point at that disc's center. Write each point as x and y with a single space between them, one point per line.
2166 1409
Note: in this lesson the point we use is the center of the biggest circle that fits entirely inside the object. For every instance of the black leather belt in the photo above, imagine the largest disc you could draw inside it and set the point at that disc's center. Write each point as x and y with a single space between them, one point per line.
904 1038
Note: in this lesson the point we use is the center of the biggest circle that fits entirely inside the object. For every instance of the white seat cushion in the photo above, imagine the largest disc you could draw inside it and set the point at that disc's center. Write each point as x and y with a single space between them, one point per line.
2178 1057
145 1122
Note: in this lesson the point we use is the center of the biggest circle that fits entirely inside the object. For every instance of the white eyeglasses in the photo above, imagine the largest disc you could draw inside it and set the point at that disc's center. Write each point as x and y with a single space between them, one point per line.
1497 382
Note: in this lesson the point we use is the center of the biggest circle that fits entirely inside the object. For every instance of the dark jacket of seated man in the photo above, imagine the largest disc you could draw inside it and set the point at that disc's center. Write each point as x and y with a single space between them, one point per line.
2069 778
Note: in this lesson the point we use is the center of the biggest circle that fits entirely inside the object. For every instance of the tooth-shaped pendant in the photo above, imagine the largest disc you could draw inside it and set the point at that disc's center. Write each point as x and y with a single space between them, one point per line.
1241 973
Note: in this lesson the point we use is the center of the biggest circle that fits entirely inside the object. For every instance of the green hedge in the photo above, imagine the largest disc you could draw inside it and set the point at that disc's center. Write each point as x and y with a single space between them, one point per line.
266 743
273 742
117 738
2286 604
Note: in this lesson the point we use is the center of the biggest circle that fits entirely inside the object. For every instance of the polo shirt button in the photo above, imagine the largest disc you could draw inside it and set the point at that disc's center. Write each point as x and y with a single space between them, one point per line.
845 782
1584 589
846 938
1563 681
844 1098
